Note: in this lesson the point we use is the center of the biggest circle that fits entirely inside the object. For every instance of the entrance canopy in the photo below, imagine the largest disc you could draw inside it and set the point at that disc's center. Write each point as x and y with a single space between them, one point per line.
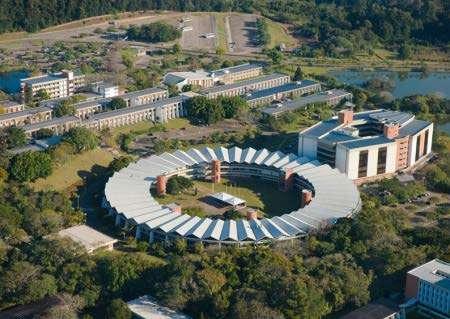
228 199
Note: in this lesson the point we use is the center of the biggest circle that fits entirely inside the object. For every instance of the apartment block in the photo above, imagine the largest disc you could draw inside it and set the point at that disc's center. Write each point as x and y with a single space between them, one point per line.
59 125
57 85
288 90
27 116
368 145
10 107
247 86
237 73
428 287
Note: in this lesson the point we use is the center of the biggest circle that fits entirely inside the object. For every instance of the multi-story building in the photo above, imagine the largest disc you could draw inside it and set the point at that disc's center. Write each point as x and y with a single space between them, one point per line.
145 96
428 287
237 73
57 85
27 116
205 79
159 111
330 97
368 145
247 86
278 93
105 89
59 125
10 107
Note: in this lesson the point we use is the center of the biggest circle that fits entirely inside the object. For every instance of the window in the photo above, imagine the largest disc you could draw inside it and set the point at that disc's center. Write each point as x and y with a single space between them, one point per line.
381 161
418 146
362 167
425 146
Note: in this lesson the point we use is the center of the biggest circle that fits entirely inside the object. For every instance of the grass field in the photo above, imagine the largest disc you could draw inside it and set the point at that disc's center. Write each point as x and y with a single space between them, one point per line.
221 32
262 195
278 35
70 174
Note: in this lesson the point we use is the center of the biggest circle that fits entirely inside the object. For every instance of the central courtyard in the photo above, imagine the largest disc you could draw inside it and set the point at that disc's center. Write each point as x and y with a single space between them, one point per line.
261 195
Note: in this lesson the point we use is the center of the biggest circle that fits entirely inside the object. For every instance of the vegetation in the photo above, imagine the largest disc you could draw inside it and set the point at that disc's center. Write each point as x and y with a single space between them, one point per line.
29 166
81 138
12 137
262 32
178 184
202 110
66 106
117 103
154 32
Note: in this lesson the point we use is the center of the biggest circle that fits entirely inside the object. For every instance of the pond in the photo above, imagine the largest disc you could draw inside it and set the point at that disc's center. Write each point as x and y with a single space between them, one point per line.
10 81
408 83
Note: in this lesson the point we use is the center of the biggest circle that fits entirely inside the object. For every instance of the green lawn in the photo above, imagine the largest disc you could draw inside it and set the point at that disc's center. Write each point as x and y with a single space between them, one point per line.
264 196
71 173
278 35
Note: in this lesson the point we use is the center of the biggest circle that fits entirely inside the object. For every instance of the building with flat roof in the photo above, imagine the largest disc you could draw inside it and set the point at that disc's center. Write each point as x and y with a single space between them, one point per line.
88 237
247 86
146 307
198 78
278 93
368 145
57 85
7 106
26 116
428 287
59 125
237 73
105 89
330 97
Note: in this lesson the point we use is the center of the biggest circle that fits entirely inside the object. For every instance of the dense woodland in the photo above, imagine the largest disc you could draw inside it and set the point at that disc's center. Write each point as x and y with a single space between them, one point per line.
336 27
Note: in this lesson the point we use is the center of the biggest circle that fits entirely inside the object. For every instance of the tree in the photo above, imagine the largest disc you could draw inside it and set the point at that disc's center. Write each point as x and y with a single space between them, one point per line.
232 106
178 184
42 95
64 108
81 138
176 48
154 32
275 55
118 309
15 137
117 103
29 166
298 75
404 52
119 162
44 133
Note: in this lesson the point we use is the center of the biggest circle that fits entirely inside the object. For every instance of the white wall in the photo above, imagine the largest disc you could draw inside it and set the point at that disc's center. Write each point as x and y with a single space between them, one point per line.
352 163
430 138
341 158
412 149
307 146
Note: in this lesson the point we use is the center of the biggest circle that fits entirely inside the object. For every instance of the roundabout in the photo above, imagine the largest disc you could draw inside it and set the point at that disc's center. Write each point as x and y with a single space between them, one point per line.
325 195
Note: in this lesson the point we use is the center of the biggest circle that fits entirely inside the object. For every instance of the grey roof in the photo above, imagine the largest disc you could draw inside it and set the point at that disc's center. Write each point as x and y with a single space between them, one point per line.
287 87
50 123
387 116
302 102
42 78
321 128
236 69
139 93
226 87
367 141
25 112
128 192
413 127
138 108
435 272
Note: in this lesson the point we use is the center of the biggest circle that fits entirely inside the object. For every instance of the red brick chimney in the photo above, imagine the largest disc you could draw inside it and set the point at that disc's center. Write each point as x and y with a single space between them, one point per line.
215 171
306 197
345 117
161 181
391 131
252 214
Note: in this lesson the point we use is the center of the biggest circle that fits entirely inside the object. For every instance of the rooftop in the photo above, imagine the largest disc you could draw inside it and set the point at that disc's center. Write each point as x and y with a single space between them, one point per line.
236 69
436 272
302 102
54 121
88 237
291 86
378 309
221 88
146 307
25 112
227 198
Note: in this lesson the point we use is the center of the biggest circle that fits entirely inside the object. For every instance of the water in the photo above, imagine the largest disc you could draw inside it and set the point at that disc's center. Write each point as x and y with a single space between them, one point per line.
445 128
410 83
10 81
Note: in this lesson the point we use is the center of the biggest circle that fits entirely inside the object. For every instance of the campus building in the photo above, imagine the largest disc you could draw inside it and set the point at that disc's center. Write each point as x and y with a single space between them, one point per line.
10 107
205 79
59 125
368 145
105 89
247 86
57 85
288 90
331 98
428 287
324 193
27 116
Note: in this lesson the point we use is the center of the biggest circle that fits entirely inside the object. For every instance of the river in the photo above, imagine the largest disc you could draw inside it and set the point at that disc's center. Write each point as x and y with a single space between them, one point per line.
409 83
10 81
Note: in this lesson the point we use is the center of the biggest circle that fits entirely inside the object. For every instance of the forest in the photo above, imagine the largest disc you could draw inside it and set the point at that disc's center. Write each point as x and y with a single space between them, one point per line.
337 27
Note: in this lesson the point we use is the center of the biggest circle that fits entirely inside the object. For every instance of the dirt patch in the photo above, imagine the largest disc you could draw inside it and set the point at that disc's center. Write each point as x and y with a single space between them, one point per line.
243 33
195 38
